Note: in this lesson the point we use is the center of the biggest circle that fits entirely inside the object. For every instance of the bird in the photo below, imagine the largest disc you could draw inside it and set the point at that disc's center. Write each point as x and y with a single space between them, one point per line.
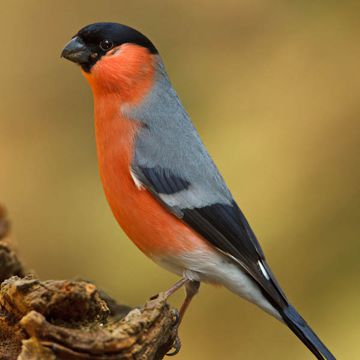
162 186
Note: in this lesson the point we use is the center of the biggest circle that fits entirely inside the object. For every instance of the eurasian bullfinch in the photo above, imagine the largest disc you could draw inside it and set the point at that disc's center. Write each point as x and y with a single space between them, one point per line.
162 186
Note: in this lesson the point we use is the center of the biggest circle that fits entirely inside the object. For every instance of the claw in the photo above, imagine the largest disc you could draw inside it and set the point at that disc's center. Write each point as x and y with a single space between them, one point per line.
176 346
176 317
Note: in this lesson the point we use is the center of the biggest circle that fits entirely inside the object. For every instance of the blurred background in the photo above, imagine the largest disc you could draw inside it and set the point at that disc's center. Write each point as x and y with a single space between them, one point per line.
273 88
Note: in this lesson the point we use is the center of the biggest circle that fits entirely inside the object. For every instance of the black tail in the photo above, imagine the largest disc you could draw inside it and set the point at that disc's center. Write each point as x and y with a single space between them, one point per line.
303 331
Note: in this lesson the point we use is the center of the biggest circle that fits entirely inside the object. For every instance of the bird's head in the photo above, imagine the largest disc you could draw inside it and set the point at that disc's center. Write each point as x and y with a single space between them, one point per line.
114 58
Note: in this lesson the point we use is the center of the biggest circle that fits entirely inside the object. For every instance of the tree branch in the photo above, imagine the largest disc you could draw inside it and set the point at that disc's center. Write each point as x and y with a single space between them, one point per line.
65 319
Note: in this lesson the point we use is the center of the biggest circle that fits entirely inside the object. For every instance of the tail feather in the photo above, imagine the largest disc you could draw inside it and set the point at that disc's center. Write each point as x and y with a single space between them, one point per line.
303 331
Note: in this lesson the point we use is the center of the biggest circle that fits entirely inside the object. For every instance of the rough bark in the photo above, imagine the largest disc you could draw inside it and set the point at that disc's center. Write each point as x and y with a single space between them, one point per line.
72 319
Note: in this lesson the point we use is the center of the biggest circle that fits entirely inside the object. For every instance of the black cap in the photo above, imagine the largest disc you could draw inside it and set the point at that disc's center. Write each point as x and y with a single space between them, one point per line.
95 40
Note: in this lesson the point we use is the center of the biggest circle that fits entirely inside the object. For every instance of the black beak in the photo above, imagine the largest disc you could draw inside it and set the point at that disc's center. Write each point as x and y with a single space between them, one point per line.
76 51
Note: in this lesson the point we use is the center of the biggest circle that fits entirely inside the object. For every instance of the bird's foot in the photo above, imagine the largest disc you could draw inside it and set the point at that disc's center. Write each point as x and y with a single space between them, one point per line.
177 318
176 346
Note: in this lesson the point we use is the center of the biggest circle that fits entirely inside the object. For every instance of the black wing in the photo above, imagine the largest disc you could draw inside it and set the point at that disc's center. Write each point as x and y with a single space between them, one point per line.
224 226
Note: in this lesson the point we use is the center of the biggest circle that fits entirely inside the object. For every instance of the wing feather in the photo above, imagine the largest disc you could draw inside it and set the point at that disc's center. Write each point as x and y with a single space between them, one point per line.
223 225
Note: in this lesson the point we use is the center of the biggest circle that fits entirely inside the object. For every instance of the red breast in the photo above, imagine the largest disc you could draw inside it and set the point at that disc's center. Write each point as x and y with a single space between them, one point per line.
124 77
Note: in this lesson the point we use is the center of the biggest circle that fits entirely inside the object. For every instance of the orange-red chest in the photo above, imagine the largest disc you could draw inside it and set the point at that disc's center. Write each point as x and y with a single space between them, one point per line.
125 76
148 223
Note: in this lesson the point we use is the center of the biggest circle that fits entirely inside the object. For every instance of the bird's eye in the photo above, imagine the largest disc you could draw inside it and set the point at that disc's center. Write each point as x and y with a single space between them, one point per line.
106 45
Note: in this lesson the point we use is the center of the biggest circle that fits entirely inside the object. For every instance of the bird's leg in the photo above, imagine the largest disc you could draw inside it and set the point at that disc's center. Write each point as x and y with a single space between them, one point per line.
173 289
191 288
176 286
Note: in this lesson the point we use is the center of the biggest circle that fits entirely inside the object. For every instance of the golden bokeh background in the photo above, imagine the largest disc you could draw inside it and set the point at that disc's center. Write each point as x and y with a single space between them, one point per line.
274 89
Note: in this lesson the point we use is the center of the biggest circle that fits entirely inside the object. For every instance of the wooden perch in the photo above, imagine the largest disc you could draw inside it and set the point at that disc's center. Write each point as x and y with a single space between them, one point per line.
64 319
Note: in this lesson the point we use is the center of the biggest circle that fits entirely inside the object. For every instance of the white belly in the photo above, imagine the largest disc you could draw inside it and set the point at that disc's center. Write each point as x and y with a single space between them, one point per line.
214 267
